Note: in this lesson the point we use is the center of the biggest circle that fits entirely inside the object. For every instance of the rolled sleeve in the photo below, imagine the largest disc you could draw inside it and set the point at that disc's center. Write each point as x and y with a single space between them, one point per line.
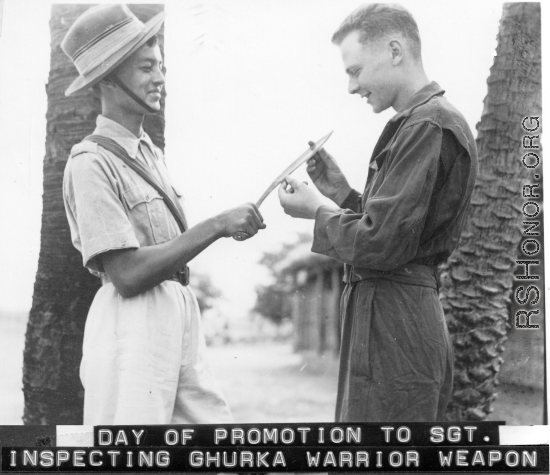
96 214
387 234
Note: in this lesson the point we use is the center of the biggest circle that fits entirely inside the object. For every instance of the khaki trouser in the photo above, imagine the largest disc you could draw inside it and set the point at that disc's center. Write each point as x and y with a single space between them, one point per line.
144 360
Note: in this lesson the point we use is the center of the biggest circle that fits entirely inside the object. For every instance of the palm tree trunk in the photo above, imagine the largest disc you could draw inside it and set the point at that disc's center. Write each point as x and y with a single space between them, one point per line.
64 289
478 280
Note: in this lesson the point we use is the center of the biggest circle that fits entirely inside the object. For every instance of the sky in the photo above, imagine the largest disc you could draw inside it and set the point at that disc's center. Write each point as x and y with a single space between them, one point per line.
240 107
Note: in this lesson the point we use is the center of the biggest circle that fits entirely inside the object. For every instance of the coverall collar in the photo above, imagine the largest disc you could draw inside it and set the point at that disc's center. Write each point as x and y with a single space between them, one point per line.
420 97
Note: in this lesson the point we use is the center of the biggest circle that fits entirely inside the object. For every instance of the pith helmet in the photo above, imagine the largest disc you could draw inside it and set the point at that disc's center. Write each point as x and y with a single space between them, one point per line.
102 38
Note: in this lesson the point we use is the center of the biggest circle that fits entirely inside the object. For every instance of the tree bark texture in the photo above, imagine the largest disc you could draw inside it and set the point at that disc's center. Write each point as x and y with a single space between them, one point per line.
64 289
478 279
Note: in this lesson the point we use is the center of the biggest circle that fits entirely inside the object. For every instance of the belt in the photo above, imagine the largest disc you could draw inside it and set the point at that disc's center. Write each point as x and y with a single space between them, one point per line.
411 273
181 276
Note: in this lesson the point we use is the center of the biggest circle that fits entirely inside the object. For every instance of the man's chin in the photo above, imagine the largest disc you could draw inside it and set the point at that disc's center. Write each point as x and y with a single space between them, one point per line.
155 107
377 109
374 106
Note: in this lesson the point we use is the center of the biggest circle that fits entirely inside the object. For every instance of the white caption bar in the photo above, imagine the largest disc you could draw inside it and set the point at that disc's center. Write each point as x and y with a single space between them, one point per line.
75 436
524 435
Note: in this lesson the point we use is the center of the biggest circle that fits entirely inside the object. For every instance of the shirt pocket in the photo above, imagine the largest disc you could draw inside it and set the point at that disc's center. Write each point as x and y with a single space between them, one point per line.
178 195
148 213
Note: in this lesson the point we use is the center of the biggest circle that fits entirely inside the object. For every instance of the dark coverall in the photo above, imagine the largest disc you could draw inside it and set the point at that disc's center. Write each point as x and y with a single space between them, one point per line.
396 359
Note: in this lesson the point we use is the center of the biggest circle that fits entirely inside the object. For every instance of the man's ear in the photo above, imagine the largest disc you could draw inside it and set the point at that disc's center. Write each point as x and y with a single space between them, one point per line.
396 49
107 82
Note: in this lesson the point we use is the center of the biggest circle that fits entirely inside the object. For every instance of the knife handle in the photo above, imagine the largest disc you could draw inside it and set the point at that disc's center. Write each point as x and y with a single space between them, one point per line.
240 236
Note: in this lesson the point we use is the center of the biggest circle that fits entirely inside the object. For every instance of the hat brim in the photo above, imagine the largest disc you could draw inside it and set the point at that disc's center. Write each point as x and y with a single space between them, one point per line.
107 66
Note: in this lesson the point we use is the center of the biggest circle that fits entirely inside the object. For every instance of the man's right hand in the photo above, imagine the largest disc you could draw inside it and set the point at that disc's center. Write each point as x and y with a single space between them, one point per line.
327 176
242 219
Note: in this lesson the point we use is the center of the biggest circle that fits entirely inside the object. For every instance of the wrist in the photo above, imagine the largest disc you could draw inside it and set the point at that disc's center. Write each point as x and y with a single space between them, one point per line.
218 226
313 210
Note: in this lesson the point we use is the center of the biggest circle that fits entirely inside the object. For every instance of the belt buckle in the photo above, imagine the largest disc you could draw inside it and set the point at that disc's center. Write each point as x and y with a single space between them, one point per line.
183 276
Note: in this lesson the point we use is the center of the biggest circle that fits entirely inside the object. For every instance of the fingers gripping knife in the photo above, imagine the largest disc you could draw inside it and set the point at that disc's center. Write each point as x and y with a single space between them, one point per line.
240 235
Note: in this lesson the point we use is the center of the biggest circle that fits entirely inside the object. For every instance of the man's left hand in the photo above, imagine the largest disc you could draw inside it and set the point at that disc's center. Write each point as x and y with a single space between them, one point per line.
298 199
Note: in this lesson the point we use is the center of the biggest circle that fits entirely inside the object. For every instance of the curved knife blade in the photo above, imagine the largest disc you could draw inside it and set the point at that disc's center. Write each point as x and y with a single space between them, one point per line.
293 166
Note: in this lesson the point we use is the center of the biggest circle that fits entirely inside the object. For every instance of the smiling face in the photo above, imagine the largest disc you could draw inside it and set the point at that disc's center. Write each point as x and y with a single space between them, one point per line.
372 70
142 74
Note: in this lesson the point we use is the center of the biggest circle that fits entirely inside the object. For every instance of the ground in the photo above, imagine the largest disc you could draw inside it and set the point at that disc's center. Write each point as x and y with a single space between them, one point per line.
263 382
271 383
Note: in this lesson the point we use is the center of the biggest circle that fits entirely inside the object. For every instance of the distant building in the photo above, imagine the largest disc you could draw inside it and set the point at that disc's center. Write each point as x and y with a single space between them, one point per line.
311 288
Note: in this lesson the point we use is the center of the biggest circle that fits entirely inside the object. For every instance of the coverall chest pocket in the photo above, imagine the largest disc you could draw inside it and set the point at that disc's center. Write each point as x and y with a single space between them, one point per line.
148 213
377 172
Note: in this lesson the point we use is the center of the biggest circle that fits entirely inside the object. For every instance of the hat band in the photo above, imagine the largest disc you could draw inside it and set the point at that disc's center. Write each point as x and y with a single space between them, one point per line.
99 37
100 50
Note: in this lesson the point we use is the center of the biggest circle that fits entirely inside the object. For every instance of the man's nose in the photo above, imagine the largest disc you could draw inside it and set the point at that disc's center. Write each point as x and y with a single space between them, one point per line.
159 78
353 87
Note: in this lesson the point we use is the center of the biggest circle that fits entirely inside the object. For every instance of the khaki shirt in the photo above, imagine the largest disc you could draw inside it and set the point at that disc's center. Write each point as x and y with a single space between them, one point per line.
108 205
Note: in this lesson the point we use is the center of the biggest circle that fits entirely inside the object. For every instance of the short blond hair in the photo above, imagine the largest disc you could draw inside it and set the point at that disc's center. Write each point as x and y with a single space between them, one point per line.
374 21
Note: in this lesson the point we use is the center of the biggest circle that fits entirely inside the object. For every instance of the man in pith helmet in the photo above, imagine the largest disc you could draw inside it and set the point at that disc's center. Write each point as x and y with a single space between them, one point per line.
396 360
144 351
